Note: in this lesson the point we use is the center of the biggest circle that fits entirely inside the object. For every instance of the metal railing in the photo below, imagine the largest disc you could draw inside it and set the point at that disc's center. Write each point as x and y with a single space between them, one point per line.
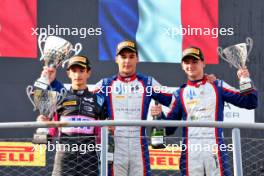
237 157
145 123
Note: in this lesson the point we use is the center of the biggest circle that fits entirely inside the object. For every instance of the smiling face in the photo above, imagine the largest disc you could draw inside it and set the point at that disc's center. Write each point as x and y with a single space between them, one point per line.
127 61
194 68
78 76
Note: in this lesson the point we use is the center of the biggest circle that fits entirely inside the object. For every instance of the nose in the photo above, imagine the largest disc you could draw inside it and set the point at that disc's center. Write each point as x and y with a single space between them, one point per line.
190 66
126 60
76 74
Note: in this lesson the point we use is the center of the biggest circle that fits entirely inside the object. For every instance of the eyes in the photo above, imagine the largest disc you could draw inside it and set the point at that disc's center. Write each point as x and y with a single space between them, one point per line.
128 56
191 61
78 70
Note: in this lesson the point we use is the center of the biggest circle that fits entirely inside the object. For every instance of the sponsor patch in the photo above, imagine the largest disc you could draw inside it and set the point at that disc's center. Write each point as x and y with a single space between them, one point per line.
69 103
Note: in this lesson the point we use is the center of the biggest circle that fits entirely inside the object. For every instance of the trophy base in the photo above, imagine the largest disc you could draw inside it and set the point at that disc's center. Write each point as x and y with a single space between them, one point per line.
245 87
40 138
42 83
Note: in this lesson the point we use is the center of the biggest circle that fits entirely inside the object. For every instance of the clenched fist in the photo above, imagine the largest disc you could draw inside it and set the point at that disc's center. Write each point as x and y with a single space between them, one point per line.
156 110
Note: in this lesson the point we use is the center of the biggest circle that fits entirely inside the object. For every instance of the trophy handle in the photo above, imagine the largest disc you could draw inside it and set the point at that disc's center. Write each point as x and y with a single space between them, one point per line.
220 53
30 91
41 39
64 62
77 48
249 42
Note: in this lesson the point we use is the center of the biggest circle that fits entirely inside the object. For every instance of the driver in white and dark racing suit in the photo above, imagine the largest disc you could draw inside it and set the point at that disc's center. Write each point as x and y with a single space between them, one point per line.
201 101
128 95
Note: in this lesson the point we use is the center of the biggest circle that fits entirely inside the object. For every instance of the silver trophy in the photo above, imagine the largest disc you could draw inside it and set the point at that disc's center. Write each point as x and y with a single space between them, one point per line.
237 56
46 102
56 50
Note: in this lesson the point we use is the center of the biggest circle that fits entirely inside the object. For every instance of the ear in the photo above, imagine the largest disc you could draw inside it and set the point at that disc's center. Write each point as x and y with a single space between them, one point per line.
204 64
116 58
89 72
182 66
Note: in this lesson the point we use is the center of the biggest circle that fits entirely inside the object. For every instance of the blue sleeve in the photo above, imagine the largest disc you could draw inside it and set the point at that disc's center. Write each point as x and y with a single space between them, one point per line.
100 89
248 100
160 93
175 113
56 85
103 109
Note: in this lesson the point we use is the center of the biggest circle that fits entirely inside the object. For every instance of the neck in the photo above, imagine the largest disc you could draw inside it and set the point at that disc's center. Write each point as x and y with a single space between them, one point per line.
127 78
197 82
196 78
124 75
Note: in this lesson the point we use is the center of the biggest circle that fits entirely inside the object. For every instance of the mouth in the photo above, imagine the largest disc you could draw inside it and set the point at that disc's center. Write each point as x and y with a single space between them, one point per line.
191 71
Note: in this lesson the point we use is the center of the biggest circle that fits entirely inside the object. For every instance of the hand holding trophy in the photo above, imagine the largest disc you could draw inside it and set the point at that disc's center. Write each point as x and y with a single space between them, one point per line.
44 99
237 56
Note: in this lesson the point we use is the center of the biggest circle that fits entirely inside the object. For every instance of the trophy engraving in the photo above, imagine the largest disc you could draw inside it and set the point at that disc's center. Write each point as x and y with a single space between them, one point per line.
237 56
54 50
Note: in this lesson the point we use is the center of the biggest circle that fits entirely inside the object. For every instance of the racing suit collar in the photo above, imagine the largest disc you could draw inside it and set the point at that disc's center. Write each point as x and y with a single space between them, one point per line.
127 79
79 92
197 83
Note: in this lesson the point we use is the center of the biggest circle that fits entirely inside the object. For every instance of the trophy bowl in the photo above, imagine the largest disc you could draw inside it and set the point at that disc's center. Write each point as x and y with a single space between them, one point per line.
56 49
237 56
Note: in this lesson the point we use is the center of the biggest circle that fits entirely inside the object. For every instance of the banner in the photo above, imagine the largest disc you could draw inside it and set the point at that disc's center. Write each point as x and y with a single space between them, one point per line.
21 154
165 159
17 18
162 29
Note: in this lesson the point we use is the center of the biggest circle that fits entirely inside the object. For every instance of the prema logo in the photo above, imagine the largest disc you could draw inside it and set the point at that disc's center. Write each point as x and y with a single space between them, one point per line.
21 154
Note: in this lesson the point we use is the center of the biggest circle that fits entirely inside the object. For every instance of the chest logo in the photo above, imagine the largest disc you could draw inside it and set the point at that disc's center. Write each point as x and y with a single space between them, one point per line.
191 94
88 99
69 103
